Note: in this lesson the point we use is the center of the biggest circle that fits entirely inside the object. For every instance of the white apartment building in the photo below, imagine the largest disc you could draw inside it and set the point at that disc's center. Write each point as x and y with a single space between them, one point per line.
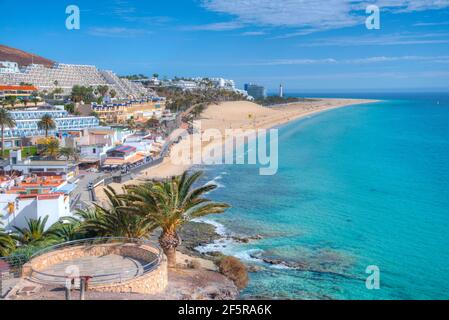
65 76
9 67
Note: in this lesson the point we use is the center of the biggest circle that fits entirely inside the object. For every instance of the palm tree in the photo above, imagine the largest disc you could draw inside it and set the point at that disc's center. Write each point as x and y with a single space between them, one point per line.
169 204
77 226
117 219
7 244
35 100
34 233
68 153
113 93
131 123
51 148
103 90
66 231
152 123
46 123
11 100
6 120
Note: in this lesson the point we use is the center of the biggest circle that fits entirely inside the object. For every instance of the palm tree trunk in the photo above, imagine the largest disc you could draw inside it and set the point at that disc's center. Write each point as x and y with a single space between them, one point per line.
169 241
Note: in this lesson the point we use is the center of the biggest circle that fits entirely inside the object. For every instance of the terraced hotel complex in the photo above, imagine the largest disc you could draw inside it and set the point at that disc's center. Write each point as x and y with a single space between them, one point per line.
65 76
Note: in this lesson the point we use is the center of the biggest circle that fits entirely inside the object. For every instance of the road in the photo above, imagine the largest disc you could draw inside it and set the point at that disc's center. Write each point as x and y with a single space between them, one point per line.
83 180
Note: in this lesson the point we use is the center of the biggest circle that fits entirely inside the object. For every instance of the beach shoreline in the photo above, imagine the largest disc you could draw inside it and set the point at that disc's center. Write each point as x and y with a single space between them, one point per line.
201 234
235 115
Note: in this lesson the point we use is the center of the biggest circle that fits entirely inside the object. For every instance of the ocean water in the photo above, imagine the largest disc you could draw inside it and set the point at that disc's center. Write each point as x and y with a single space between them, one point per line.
357 186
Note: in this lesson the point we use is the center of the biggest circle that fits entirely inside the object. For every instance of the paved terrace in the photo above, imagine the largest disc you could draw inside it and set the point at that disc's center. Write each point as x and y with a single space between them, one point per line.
104 269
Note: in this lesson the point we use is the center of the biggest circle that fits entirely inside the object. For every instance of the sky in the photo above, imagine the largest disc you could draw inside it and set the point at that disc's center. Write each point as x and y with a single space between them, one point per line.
307 45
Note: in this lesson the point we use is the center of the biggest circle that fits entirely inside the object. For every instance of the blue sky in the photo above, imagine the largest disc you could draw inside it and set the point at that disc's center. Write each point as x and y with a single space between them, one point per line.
304 44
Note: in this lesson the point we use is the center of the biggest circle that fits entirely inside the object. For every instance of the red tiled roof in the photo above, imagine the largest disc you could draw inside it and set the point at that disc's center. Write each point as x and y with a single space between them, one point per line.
124 148
50 196
19 88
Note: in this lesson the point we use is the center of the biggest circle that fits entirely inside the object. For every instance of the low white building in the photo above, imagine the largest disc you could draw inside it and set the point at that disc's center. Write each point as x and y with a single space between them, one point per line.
94 154
16 209
30 166
140 143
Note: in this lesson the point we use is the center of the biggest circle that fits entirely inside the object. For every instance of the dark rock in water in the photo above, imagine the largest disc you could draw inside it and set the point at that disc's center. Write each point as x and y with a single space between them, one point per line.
254 268
246 239
289 264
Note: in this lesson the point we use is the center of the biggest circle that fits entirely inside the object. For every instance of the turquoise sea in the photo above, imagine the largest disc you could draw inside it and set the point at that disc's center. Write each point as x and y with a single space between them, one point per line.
357 186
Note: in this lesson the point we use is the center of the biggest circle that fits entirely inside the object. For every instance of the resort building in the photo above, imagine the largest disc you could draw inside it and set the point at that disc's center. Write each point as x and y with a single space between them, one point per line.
186 84
222 83
27 122
203 83
19 92
65 76
256 91
140 110
9 67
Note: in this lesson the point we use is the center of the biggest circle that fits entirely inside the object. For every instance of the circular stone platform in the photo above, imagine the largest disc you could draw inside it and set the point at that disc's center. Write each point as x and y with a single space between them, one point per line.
113 266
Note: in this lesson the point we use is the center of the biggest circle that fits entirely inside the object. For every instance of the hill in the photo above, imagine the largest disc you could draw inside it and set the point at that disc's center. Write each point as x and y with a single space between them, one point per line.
21 57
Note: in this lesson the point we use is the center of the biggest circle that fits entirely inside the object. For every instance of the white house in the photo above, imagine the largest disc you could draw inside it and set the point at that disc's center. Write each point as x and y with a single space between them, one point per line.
16 209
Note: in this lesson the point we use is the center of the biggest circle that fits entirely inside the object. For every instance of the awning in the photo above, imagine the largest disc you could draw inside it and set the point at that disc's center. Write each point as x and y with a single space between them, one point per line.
113 162
87 160
136 158
118 162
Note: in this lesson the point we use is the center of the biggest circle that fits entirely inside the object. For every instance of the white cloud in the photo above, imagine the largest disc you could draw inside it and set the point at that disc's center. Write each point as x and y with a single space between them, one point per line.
219 26
254 33
381 40
289 13
366 60
117 32
353 75
312 15
431 24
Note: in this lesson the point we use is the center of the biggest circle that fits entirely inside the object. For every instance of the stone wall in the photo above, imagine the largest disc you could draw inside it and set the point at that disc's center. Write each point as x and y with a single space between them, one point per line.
152 282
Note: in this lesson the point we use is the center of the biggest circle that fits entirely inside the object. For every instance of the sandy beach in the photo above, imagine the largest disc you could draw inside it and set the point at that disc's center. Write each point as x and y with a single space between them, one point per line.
248 115
238 115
